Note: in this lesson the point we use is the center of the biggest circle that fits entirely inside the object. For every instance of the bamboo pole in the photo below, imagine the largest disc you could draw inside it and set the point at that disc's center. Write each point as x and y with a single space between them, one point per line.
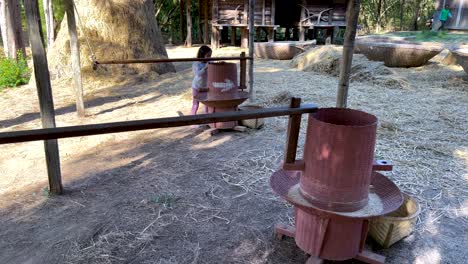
348 49
251 49
75 57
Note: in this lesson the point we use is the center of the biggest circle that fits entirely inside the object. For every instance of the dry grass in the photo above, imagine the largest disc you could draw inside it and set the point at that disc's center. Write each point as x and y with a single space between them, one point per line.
180 196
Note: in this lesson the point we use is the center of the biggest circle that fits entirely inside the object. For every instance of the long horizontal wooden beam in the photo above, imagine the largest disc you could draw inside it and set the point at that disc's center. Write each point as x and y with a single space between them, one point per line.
134 61
126 126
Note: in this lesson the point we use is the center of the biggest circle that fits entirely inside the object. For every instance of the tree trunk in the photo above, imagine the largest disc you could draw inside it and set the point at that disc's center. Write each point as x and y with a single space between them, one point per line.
49 19
402 8
188 40
348 50
12 30
182 20
416 15
110 39
379 16
3 26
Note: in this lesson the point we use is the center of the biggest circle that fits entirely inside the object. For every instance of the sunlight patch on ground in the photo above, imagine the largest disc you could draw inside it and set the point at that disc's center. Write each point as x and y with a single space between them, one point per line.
430 256
463 155
215 143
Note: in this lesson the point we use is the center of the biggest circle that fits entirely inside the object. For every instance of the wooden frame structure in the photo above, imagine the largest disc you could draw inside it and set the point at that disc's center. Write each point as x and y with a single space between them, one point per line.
234 14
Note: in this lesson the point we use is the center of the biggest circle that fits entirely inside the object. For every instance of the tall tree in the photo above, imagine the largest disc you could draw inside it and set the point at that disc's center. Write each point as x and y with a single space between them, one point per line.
188 7
49 19
12 30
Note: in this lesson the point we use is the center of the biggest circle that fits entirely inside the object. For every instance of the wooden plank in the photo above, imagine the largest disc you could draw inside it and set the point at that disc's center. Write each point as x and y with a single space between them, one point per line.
294 126
75 57
126 126
251 49
169 60
243 72
348 50
44 91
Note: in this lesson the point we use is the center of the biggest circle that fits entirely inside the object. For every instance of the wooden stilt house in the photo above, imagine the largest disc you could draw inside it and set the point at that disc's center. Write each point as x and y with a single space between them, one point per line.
231 16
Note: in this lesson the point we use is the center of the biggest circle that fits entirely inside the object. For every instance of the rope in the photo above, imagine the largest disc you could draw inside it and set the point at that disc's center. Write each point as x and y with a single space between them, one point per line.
93 56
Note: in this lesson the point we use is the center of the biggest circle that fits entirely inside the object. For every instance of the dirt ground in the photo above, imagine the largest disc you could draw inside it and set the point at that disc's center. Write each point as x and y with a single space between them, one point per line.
181 196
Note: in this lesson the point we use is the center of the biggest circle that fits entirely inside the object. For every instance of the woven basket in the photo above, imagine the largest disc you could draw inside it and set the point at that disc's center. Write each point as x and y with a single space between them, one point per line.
251 123
391 228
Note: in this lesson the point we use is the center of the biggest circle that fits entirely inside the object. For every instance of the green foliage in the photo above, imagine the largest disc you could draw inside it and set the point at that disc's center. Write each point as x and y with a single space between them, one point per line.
395 14
12 72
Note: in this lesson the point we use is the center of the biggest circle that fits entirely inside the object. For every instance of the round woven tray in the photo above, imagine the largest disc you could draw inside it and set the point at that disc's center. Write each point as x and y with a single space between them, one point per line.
223 101
462 58
399 54
284 50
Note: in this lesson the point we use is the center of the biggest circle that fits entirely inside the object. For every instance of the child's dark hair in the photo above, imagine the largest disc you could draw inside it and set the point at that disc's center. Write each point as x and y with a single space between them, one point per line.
202 51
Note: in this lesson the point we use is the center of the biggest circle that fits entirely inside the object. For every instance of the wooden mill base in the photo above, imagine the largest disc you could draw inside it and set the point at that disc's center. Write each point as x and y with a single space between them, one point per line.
214 131
364 256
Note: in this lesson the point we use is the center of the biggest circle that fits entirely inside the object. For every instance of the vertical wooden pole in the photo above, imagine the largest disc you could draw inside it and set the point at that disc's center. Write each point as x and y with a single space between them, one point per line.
348 49
75 57
273 12
205 23
188 7
263 12
44 90
294 126
243 72
233 36
49 18
271 35
214 28
251 49
301 27
245 18
244 38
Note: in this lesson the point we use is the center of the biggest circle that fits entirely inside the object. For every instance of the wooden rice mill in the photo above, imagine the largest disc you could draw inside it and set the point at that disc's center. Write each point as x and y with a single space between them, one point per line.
336 189
224 94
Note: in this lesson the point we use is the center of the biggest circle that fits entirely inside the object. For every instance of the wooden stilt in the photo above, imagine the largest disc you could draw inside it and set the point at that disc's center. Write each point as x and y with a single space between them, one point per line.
233 36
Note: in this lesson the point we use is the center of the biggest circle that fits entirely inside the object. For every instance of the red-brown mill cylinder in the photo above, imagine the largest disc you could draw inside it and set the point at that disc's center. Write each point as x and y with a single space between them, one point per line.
223 91
335 190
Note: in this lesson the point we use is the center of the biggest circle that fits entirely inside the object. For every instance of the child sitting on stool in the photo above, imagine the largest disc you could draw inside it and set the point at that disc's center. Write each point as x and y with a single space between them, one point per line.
200 80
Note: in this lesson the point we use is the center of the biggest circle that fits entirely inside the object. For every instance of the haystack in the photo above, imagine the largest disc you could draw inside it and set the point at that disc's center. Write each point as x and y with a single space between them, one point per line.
115 30
326 59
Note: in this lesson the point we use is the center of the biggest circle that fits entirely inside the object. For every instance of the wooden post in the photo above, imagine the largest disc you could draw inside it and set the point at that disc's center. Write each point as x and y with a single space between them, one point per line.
271 34
245 18
348 49
49 18
243 72
301 27
75 57
214 28
188 40
244 38
233 36
205 23
44 90
251 49
273 12
263 12
294 126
